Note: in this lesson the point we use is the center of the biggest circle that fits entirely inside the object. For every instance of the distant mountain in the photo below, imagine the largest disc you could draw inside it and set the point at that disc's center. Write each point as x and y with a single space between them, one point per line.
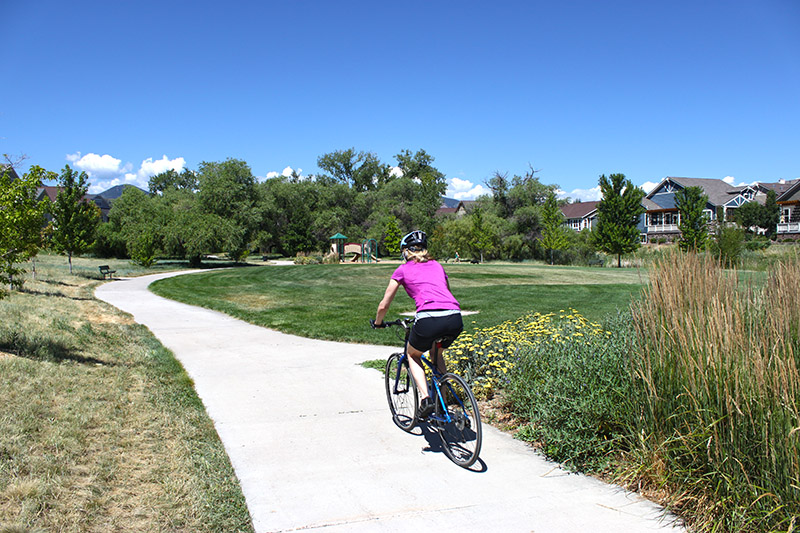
115 192
450 203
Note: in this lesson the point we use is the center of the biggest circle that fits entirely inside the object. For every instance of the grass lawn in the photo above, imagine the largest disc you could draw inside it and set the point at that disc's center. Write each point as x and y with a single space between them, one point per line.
336 301
100 426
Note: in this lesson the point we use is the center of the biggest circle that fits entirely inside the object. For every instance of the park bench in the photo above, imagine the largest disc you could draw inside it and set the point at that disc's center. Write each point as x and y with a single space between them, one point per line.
105 270
597 261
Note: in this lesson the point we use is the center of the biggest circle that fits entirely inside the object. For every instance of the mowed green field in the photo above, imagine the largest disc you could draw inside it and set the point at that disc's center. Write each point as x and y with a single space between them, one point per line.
336 301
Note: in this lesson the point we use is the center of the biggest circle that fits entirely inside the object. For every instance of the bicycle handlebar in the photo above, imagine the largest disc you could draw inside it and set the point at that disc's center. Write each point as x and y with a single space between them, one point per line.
402 322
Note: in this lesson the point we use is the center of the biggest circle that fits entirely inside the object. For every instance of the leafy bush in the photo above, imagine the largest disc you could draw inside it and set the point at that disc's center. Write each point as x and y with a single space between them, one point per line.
572 390
728 244
308 259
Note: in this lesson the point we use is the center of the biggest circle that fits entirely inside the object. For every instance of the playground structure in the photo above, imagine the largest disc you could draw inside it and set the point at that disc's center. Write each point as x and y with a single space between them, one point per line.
365 252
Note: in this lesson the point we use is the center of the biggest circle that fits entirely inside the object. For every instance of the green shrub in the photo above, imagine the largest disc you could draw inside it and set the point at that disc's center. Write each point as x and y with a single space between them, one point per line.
572 390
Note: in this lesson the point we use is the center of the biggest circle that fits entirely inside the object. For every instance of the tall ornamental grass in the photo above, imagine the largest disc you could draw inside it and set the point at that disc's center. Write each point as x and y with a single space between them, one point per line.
719 426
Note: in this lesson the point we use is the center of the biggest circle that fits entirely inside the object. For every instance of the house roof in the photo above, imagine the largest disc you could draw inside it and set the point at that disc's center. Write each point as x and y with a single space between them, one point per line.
779 187
718 191
10 170
579 209
47 191
791 191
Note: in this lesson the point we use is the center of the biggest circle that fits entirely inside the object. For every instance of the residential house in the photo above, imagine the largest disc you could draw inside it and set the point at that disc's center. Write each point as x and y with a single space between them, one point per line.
789 204
580 215
661 218
451 206
448 207
4 168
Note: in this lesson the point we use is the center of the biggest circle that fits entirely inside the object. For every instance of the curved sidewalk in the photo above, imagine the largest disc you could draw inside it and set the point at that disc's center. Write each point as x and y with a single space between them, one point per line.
309 435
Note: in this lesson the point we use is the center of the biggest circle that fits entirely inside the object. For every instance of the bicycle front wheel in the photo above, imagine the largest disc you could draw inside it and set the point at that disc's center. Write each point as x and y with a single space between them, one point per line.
401 391
460 426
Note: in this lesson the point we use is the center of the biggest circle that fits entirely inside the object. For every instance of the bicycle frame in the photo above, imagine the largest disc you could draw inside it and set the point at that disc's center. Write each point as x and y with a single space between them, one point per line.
436 375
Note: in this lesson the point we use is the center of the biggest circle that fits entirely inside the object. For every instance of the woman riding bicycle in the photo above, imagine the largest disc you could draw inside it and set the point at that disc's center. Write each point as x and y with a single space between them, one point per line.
438 312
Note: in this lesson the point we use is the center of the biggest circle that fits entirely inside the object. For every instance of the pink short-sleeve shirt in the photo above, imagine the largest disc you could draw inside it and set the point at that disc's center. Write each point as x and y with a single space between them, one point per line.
426 283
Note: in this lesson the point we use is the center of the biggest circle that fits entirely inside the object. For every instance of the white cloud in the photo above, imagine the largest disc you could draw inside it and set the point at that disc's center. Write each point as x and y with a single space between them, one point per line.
150 168
272 174
584 195
396 172
98 166
648 186
465 189
287 172
106 171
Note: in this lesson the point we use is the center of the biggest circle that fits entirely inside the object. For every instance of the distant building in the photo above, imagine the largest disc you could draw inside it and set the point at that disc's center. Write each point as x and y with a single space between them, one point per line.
661 219
789 203
580 215
8 169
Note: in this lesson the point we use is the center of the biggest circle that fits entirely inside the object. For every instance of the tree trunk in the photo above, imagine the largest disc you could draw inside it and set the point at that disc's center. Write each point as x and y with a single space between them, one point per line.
619 260
69 258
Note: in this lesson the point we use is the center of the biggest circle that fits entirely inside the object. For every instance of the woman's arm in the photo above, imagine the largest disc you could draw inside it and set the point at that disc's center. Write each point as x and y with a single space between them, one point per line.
388 296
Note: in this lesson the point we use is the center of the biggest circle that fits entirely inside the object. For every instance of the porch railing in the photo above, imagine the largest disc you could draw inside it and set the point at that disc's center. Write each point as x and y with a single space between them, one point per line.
663 228
789 227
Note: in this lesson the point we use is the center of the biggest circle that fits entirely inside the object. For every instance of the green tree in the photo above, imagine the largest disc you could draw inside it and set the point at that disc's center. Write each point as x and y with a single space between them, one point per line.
362 171
554 234
618 215
484 236
728 244
691 203
286 214
392 235
528 191
139 220
430 186
749 216
227 190
754 215
21 221
499 186
75 218
772 213
171 180
452 237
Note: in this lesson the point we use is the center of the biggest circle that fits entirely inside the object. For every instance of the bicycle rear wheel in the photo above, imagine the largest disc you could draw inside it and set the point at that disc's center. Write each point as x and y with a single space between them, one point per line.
462 434
401 391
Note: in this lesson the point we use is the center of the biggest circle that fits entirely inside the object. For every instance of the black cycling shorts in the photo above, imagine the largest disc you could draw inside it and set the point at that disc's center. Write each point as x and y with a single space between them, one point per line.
427 330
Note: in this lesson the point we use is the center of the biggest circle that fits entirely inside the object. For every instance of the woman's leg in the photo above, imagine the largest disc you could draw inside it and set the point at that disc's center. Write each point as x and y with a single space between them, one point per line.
417 371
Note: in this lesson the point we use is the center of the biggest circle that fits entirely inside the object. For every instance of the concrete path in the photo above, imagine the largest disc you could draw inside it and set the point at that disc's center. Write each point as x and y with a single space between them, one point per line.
309 434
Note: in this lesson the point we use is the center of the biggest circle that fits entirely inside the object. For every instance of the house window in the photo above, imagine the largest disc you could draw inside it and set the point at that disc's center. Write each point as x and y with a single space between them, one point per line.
671 219
656 219
786 213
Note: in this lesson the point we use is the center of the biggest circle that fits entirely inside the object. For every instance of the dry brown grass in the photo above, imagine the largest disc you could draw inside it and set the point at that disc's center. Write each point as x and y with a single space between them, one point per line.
100 428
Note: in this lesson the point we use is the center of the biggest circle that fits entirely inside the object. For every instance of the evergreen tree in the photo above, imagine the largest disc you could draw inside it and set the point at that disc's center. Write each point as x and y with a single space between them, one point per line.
694 224
392 235
618 216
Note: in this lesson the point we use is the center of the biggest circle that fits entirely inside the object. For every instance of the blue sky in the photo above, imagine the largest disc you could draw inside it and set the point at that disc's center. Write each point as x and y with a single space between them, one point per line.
574 89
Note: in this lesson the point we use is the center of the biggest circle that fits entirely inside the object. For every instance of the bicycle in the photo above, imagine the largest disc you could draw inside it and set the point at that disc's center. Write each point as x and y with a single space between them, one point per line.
455 416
